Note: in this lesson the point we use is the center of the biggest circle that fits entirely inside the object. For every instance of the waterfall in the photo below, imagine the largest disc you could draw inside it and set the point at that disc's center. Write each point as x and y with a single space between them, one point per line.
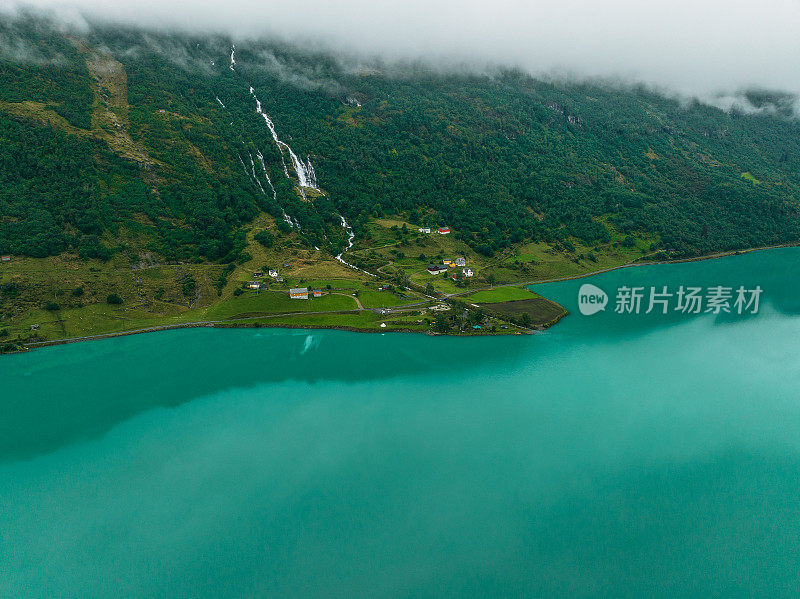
255 177
260 157
252 173
304 169
350 237
306 177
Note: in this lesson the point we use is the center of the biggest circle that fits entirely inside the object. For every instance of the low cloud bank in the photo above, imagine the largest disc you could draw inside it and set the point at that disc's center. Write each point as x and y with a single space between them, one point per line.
708 49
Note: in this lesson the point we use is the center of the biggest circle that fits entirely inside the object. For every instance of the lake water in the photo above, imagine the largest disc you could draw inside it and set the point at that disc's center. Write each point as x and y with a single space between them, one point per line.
613 456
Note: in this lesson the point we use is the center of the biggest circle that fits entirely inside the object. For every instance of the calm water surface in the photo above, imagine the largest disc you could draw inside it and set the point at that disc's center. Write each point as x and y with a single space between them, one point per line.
613 456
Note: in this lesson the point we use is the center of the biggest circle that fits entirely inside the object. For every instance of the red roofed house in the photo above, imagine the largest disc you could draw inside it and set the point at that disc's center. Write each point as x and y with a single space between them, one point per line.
299 293
443 231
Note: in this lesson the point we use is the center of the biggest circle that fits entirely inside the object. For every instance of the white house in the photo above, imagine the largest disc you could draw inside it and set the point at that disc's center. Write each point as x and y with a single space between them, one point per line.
461 261
436 269
424 229
254 285
273 273
467 272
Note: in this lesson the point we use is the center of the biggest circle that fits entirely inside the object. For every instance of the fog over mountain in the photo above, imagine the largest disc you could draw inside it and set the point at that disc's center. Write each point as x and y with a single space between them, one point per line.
705 48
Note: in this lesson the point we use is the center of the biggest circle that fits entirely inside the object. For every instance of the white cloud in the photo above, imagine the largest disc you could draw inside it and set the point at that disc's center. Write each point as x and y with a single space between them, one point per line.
698 47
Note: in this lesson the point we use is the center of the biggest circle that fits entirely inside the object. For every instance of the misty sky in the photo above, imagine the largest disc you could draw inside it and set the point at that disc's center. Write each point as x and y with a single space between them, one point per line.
696 47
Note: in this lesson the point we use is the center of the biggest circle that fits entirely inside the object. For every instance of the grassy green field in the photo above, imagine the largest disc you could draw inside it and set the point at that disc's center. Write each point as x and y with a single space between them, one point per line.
365 320
749 176
499 294
273 302
408 255
383 299
337 284
540 310
157 294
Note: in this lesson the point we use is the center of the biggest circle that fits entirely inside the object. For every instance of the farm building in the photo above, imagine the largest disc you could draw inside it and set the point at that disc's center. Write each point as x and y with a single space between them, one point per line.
5 258
317 292
258 275
436 269
424 229
298 293
254 285
449 263
443 230
461 261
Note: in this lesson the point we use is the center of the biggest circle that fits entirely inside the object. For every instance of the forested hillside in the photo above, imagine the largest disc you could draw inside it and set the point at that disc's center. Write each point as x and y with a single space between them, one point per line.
114 140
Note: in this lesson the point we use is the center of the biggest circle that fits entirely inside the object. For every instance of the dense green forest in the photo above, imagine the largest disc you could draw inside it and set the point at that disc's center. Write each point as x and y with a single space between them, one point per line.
114 137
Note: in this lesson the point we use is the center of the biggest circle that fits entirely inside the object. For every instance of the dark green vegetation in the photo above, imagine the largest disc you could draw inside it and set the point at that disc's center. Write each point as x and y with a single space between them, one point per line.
501 159
517 305
138 183
536 311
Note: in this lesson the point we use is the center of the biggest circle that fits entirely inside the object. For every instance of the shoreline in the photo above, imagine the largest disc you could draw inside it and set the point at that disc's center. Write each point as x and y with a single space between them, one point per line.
223 325
593 273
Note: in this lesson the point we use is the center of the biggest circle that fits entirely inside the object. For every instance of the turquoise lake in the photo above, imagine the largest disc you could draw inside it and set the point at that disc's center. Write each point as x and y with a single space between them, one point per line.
612 456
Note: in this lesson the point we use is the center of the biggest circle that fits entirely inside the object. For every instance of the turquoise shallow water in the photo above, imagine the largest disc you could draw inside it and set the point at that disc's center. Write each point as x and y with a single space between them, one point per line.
620 456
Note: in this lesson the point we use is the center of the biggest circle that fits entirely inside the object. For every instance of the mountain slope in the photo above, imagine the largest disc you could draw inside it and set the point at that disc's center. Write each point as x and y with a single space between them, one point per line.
162 134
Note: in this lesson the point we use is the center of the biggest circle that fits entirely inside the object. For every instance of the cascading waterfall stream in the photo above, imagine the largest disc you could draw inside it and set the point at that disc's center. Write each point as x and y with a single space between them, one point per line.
350 237
260 157
306 176
252 174
253 170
